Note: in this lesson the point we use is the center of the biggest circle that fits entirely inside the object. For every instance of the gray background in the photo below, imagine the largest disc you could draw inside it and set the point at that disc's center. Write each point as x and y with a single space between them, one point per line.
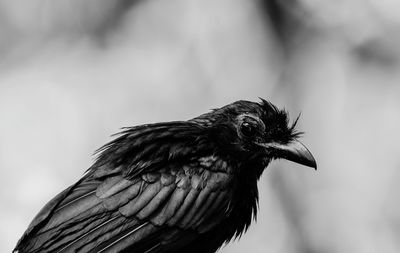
72 72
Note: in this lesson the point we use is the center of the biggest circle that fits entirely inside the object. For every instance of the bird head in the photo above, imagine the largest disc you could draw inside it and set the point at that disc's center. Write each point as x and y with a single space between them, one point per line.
256 131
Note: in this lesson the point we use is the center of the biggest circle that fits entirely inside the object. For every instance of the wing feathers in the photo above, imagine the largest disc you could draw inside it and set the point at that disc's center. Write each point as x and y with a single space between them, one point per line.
204 207
126 238
133 206
52 238
123 197
73 210
161 196
120 212
175 201
189 199
112 185
196 206
214 208
89 235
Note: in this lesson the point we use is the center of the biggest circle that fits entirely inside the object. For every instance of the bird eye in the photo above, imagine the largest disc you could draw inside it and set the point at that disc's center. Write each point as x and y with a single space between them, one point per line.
248 129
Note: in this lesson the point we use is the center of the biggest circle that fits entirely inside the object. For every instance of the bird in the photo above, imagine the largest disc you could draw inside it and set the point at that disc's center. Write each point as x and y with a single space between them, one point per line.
179 186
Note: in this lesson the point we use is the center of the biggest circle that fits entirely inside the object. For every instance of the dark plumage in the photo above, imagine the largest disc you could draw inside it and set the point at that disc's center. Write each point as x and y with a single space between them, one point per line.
183 186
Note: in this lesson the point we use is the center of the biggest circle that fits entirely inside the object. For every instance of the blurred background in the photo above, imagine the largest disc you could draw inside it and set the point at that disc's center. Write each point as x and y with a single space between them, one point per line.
73 72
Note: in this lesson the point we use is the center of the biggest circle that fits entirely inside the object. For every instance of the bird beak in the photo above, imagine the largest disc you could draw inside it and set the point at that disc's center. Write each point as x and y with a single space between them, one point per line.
294 151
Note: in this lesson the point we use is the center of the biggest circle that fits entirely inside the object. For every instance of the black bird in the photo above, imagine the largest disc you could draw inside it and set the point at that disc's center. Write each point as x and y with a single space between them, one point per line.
182 186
